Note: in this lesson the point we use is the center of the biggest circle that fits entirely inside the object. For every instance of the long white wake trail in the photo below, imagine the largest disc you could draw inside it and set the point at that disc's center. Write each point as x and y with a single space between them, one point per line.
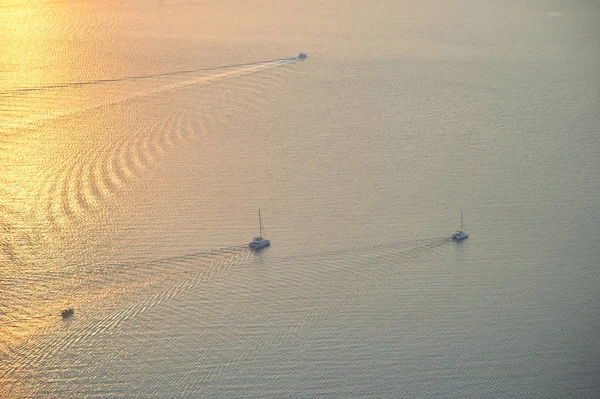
207 76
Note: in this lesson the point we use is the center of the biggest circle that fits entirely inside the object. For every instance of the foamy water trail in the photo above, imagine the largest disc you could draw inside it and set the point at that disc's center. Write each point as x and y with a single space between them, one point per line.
135 78
207 76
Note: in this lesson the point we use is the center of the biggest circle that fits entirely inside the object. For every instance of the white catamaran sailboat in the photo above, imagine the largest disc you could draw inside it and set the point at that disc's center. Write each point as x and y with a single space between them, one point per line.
460 234
259 242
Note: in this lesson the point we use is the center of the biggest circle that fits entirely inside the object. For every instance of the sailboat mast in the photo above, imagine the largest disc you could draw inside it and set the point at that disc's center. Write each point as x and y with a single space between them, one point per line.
259 224
461 221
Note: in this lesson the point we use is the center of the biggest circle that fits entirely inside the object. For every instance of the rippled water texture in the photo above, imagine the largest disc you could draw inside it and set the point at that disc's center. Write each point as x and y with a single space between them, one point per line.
138 139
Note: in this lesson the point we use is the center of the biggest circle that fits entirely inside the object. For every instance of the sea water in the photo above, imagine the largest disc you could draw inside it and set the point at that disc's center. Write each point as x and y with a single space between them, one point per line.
138 140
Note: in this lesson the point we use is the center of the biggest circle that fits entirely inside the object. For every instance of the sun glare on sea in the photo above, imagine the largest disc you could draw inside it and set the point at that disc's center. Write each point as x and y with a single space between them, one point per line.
32 38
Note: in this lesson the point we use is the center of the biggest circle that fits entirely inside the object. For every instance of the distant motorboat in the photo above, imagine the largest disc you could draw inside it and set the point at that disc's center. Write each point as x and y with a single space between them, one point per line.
67 312
259 242
460 234
302 56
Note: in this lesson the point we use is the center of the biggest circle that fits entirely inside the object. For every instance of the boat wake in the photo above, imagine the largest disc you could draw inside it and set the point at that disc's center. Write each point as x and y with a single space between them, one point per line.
104 299
77 167
322 284
418 246
267 64
28 100
312 290
73 172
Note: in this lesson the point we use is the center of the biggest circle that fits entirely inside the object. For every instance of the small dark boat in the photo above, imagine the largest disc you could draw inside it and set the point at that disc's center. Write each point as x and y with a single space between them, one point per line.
67 312
302 56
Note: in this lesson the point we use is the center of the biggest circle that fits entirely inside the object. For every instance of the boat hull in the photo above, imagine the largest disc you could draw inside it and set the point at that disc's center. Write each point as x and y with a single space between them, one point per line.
259 244
459 235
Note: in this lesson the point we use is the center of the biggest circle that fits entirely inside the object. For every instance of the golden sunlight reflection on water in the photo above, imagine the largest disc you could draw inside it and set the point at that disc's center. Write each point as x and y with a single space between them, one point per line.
33 39
71 150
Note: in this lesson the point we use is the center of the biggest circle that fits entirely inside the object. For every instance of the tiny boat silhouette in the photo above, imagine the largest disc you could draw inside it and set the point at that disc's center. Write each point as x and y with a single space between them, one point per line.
67 312
302 56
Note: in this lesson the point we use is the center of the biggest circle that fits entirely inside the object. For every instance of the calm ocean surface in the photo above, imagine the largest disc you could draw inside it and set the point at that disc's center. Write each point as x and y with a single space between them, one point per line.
138 138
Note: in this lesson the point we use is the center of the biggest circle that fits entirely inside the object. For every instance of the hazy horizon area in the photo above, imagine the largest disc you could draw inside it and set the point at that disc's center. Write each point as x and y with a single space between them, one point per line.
139 138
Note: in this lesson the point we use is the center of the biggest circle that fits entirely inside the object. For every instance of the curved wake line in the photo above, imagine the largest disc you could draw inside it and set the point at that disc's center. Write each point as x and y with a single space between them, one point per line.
140 77
87 183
